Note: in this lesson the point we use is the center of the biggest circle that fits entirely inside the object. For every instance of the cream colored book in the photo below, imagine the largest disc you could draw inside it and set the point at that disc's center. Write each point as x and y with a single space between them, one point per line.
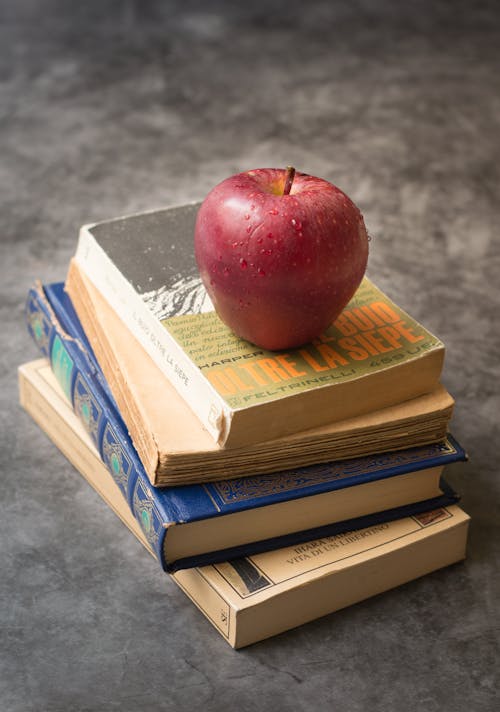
176 449
374 355
252 598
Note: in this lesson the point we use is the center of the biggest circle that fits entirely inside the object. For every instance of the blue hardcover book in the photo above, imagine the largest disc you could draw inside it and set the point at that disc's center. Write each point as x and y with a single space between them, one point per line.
194 525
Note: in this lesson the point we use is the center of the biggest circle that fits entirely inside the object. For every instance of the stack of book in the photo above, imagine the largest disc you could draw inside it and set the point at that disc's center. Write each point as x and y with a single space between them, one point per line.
273 487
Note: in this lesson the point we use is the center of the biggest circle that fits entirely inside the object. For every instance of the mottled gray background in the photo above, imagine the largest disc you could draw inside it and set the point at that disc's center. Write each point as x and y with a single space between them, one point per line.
108 107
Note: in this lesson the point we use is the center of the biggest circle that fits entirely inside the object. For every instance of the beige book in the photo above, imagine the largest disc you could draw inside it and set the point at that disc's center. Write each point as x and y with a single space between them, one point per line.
253 598
176 449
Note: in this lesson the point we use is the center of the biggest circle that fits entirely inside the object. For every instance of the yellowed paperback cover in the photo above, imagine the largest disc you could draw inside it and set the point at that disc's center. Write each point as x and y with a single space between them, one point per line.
255 597
272 592
175 449
375 355
372 333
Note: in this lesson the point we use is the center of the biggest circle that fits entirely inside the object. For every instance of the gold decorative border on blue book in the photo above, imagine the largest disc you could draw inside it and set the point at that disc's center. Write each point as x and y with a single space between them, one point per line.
147 514
116 459
87 407
39 326
268 485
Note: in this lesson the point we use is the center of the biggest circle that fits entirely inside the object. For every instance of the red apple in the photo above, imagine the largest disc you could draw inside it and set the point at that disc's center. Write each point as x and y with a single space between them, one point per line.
280 254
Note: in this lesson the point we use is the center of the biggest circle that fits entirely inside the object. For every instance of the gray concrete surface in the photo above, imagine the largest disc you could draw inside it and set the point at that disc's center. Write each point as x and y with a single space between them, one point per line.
112 107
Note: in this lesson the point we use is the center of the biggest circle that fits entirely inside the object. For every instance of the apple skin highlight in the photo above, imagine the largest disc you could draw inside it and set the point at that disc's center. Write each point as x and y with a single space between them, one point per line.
279 268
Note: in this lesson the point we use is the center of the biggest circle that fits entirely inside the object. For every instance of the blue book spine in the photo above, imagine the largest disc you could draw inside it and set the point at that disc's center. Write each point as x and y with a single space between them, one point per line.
54 326
74 366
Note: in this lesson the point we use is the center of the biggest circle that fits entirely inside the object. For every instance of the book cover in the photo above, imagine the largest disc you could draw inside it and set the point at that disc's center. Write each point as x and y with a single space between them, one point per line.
175 448
374 355
250 598
204 523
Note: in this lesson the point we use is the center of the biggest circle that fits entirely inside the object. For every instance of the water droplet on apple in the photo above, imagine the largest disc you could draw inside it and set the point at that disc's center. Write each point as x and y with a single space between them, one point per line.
249 229
260 240
235 244
243 263
261 272
269 234
247 216
266 252
297 224
273 212
226 271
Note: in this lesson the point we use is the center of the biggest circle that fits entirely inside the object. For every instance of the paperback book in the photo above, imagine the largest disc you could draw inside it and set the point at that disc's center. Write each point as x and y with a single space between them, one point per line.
176 449
251 598
374 355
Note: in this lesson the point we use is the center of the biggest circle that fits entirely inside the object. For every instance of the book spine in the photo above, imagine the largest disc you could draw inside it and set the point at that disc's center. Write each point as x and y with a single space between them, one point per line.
67 319
209 407
50 412
107 432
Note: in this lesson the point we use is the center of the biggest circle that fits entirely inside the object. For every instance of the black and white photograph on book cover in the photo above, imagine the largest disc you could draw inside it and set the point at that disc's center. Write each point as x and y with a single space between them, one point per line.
153 251
126 107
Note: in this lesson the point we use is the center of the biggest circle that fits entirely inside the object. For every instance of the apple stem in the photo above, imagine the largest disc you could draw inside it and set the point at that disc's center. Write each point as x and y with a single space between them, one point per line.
290 175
